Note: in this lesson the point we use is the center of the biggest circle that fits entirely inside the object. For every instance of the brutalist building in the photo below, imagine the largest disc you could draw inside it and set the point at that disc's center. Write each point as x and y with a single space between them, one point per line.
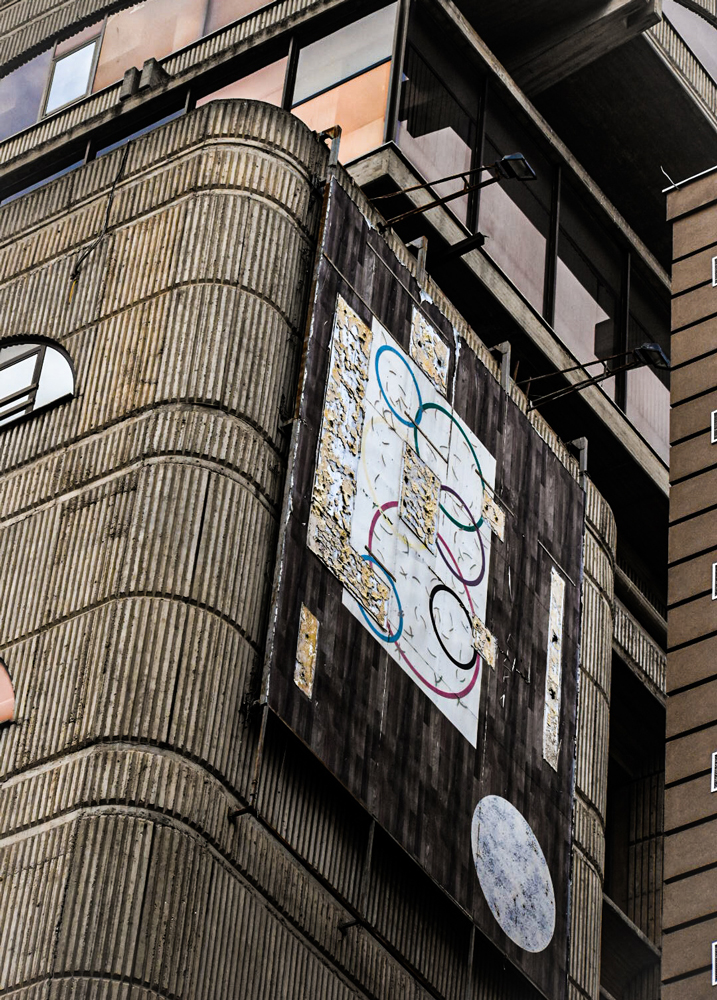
334 427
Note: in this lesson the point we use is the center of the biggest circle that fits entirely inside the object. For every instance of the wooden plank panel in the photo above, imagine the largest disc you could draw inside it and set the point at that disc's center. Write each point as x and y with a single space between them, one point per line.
368 720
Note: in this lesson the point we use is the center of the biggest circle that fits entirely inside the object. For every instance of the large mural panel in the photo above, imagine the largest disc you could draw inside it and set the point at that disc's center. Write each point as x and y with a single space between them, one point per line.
425 634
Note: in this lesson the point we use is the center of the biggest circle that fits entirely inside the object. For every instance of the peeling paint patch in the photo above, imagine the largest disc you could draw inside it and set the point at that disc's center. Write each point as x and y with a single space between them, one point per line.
306 647
429 352
334 492
484 642
494 515
554 670
420 491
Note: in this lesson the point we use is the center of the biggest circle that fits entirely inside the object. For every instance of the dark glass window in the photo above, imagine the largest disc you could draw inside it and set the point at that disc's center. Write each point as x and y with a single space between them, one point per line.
648 394
266 84
436 132
21 94
343 79
223 12
515 216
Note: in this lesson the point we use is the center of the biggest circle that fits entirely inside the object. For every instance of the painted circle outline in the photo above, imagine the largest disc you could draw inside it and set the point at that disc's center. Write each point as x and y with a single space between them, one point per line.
436 406
439 548
439 587
419 412
396 635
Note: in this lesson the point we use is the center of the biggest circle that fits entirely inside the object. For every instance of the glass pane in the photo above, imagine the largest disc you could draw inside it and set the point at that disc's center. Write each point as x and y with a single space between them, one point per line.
589 280
266 84
345 53
41 183
71 77
140 131
358 106
19 365
154 29
21 94
223 12
434 130
649 320
515 216
648 407
70 44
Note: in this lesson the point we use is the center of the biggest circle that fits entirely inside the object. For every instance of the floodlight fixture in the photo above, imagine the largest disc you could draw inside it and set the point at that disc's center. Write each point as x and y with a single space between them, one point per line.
513 166
647 355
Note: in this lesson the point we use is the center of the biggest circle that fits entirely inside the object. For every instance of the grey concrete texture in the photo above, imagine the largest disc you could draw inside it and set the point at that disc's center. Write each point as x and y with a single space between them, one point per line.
137 534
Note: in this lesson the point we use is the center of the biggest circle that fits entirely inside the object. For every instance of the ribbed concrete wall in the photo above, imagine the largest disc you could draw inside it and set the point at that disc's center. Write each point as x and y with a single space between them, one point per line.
592 748
137 538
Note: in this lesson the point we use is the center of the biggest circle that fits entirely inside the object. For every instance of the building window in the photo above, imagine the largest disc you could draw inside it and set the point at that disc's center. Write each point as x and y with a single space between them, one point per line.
266 84
7 694
515 218
73 69
21 94
343 79
435 130
153 29
33 374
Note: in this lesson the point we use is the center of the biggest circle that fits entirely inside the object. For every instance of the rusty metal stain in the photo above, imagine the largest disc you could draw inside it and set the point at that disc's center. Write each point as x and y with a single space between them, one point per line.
554 669
494 515
429 352
420 492
306 648
334 491
485 642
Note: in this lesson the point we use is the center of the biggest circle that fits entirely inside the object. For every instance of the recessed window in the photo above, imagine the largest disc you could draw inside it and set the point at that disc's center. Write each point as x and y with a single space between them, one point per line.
343 79
32 376
7 694
71 76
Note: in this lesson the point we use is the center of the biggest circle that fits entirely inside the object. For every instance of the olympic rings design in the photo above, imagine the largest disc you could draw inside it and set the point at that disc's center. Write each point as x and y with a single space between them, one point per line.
474 525
441 544
397 415
439 588
391 637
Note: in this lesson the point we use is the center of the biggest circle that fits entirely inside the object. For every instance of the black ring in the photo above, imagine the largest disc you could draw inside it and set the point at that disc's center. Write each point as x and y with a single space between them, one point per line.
436 590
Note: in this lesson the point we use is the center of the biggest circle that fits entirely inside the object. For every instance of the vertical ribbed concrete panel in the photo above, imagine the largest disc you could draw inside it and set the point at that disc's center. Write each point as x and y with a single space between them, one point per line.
137 537
592 748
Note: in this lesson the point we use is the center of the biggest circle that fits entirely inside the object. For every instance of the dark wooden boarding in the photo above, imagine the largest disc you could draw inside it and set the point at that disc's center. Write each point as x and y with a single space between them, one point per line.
413 771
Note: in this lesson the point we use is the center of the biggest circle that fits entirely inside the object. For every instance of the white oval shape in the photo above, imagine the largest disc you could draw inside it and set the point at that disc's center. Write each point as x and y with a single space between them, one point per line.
513 873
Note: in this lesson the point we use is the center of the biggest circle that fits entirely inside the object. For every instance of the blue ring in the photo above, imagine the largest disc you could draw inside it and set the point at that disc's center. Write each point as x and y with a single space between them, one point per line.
397 635
419 411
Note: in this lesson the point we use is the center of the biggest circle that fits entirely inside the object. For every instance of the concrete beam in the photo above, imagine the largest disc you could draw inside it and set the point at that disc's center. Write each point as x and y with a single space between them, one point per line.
584 39
386 162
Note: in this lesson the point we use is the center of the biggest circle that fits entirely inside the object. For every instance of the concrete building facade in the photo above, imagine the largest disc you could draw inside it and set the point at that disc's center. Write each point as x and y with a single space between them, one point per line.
163 214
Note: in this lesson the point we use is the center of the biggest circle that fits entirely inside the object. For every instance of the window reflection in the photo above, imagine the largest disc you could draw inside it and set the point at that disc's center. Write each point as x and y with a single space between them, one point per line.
71 77
358 106
434 130
344 53
154 29
223 12
266 84
515 217
21 94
